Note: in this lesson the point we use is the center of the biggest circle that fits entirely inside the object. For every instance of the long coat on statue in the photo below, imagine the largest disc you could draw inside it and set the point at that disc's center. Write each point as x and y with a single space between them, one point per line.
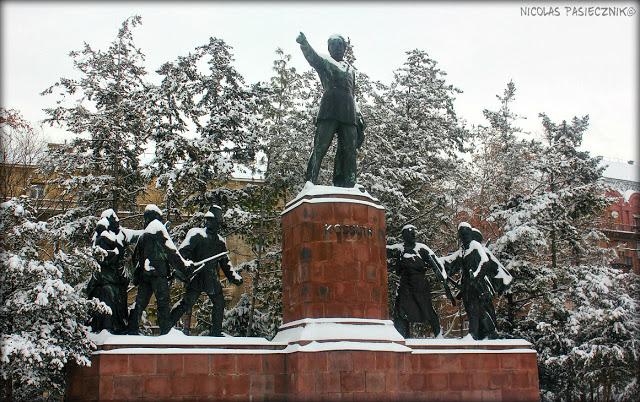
413 301
155 257
110 284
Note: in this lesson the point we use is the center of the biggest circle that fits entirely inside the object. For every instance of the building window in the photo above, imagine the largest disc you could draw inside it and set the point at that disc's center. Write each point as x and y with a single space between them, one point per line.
37 191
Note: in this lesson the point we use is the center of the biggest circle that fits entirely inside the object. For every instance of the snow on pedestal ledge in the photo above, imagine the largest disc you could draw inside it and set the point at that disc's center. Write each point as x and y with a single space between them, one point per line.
307 335
313 194
338 329
176 338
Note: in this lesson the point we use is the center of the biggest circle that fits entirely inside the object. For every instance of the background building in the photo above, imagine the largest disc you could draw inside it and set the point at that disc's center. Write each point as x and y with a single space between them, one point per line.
621 222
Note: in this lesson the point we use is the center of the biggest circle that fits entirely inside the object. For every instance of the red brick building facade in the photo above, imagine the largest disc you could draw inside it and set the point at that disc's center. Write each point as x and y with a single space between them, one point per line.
621 222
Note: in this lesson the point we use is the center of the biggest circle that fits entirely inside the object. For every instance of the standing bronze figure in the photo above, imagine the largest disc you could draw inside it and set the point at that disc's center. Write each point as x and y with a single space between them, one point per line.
202 244
338 113
482 277
109 285
154 257
413 300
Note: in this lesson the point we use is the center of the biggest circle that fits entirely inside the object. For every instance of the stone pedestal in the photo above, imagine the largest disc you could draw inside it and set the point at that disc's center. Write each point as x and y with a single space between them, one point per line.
333 255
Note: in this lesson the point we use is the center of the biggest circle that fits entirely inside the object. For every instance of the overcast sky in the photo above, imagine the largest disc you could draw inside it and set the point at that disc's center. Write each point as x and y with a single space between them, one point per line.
562 65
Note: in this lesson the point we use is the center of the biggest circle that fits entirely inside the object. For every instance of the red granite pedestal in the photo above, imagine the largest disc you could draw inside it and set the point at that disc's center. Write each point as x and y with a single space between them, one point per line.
334 257
336 342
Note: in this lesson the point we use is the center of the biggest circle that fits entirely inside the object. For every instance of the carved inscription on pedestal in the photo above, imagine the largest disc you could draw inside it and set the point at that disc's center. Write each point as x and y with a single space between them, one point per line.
354 232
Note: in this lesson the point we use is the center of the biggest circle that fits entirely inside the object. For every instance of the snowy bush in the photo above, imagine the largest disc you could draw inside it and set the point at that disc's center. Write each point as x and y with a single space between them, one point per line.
41 315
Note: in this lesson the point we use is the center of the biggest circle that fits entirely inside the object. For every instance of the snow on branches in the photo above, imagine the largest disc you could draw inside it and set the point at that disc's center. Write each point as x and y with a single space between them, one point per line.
41 315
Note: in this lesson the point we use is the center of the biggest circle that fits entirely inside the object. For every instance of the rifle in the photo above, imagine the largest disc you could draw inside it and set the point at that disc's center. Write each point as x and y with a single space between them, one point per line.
437 268
201 264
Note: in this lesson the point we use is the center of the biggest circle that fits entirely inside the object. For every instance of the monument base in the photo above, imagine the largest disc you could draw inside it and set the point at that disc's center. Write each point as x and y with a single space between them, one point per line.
308 364
336 342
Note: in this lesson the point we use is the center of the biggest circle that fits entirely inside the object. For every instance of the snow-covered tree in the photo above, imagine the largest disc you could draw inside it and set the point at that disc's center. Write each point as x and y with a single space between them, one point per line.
410 159
563 291
501 171
501 159
605 330
288 125
227 132
553 216
173 113
41 316
413 140
106 109
285 138
587 336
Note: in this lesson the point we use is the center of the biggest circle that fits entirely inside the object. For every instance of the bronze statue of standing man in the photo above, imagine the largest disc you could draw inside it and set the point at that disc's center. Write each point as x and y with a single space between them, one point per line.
338 112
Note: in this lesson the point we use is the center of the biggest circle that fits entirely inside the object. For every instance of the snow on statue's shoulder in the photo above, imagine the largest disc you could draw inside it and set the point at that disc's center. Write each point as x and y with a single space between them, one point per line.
191 234
103 221
341 65
107 234
502 274
156 226
109 212
130 234
422 246
153 207
474 245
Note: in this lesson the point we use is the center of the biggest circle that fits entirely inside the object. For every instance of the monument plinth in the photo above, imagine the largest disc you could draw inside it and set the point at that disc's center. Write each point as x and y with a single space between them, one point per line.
336 342
333 255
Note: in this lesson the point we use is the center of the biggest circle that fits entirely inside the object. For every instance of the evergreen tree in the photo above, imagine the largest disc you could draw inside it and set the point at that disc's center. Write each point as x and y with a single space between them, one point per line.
285 115
228 133
108 104
500 158
548 236
173 113
106 108
411 156
414 140
41 316
501 173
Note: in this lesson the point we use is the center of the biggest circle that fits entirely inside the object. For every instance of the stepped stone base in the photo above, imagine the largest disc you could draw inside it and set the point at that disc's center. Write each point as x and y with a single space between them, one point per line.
243 369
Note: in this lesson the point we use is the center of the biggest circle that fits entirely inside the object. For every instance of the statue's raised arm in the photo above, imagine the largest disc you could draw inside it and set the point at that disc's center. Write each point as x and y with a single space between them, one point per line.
312 57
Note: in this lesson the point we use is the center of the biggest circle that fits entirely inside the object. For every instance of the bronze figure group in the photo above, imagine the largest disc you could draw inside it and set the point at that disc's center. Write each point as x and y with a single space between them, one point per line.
156 261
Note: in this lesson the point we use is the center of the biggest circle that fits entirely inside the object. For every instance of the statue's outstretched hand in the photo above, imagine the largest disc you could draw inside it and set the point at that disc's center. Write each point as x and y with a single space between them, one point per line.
301 38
